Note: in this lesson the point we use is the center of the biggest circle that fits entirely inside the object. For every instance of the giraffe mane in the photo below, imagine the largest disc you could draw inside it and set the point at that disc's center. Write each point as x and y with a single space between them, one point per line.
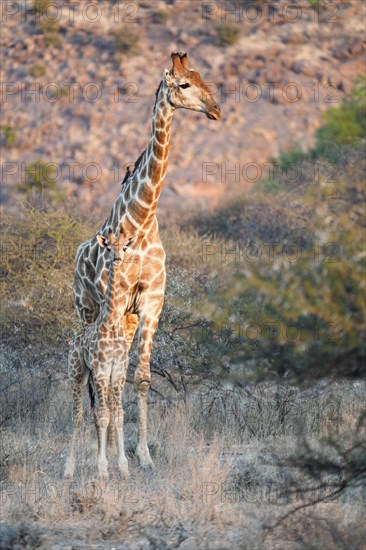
130 172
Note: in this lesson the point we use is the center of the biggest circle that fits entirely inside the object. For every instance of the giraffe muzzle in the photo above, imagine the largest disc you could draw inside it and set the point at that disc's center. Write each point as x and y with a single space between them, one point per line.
214 114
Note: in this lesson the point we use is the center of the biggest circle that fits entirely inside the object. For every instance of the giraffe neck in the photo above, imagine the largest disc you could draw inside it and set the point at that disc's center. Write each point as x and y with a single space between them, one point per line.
110 315
137 203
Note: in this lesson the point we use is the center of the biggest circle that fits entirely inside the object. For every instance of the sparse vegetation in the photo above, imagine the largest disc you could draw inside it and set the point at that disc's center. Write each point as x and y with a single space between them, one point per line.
343 126
37 257
38 70
298 283
60 92
51 32
40 183
126 42
9 135
159 16
227 34
22 536
41 6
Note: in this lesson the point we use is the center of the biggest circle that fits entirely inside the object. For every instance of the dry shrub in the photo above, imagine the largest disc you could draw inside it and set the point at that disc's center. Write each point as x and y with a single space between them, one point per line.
326 525
22 536
227 34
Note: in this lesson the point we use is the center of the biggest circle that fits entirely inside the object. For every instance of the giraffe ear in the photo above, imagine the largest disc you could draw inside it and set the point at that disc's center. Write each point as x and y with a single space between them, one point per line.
130 242
133 239
184 60
103 242
130 237
177 68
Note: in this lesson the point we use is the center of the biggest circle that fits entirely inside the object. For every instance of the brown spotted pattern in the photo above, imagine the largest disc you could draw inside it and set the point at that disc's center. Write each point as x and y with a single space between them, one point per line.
98 356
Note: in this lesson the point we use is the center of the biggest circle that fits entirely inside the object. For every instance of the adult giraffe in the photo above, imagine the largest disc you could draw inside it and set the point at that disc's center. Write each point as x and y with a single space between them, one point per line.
142 281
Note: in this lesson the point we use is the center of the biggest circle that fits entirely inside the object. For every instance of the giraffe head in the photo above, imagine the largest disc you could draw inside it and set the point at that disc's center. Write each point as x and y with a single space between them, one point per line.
187 90
116 245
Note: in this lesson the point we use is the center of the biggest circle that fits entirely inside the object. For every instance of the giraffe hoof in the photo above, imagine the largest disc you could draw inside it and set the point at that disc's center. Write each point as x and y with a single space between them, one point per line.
144 458
147 465
123 467
103 472
112 451
69 471
125 474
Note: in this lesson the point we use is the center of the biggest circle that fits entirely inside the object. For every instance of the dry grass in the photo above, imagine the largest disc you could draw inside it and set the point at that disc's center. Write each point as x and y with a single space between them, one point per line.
215 485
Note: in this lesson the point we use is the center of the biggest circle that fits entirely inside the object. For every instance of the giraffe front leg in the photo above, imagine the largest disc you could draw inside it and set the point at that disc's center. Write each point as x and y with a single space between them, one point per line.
142 383
96 424
117 389
111 427
130 324
142 450
101 384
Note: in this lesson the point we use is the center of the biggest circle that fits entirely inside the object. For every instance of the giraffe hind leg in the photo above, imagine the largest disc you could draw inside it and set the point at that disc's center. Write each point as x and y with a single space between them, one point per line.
131 323
149 318
79 375
86 307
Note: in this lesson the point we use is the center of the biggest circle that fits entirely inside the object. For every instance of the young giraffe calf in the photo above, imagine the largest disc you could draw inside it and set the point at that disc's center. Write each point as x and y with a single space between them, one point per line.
99 356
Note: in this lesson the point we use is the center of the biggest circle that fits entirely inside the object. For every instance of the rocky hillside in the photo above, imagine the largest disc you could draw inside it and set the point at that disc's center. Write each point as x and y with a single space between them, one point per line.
79 81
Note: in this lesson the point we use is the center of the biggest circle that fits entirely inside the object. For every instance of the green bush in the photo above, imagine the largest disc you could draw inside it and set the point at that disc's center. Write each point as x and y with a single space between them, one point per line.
41 6
37 70
60 92
289 158
314 4
9 133
50 30
159 16
227 34
343 125
40 183
308 299
319 294
341 133
36 263
126 42
255 218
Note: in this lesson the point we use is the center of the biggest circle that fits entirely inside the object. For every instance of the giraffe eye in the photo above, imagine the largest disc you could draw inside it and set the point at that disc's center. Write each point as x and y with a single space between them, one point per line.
184 86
